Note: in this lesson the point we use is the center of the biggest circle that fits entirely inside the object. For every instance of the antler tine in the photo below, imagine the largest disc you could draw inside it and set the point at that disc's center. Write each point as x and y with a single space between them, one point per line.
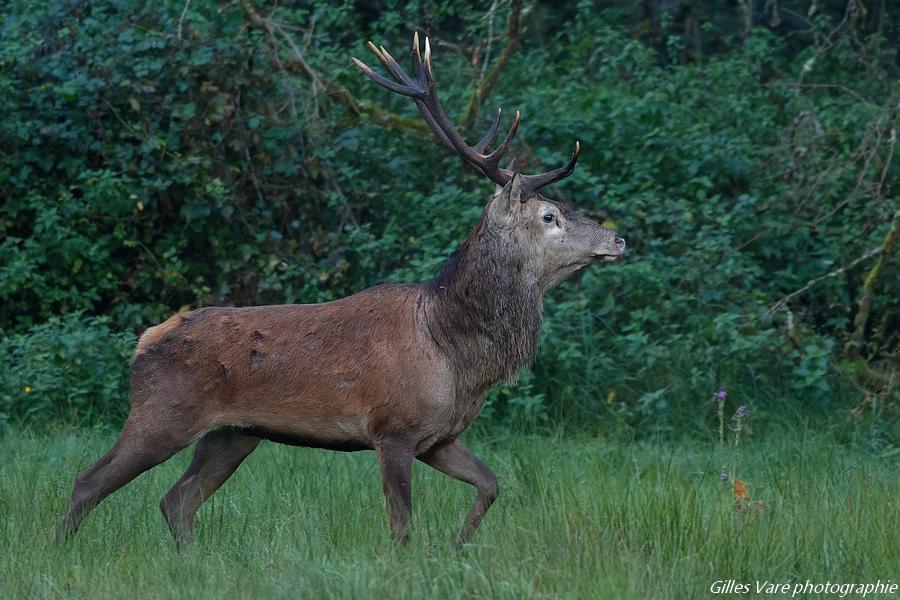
417 62
406 87
422 89
394 67
497 154
403 90
374 49
428 68
486 139
430 103
535 182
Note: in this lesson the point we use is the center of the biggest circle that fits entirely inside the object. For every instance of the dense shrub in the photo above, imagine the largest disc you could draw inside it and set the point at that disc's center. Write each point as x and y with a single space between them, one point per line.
155 160
72 368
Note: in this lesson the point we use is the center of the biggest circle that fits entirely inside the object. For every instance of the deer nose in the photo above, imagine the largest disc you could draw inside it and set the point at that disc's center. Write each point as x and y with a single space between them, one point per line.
620 243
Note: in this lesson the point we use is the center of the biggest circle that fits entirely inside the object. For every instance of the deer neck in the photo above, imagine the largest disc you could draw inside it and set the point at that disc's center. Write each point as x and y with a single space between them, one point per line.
485 310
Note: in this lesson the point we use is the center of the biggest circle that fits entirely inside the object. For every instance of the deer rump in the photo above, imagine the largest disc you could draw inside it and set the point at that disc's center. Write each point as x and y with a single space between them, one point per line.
334 375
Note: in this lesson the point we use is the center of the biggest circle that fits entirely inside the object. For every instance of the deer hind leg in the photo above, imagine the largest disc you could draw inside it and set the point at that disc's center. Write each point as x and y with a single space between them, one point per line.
138 449
395 462
458 462
218 455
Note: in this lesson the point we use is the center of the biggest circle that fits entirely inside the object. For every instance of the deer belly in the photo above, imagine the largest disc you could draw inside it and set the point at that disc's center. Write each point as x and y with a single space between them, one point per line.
345 433
293 439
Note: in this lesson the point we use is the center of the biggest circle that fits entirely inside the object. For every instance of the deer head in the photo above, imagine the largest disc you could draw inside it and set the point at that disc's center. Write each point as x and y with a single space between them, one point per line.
559 239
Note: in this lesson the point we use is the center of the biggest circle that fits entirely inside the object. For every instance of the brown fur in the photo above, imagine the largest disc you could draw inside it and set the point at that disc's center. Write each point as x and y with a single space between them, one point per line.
400 369
155 333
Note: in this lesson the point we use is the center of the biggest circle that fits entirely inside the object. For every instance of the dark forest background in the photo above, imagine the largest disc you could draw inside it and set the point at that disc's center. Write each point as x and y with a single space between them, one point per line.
161 156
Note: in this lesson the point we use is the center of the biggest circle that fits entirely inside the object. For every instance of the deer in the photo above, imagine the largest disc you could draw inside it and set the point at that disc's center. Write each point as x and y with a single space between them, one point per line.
401 369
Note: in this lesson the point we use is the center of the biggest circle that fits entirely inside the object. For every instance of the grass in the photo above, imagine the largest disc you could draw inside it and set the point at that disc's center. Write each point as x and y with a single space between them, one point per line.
576 518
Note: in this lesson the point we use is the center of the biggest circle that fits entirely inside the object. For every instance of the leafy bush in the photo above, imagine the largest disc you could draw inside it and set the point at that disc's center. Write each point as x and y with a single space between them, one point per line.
155 161
71 368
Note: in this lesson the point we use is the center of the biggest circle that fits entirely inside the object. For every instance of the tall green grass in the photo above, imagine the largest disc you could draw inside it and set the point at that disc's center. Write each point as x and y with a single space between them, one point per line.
576 518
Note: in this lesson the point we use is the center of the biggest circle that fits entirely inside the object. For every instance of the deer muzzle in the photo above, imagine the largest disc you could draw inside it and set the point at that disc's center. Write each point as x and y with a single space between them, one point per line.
611 246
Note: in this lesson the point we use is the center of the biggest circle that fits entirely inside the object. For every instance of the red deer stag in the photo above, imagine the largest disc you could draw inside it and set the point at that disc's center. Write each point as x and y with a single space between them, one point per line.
399 369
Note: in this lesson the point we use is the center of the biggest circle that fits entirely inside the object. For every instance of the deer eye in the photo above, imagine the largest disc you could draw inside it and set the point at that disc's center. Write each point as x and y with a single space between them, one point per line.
548 218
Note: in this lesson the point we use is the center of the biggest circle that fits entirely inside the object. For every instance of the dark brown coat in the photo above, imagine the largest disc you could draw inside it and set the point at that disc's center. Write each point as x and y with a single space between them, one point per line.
400 369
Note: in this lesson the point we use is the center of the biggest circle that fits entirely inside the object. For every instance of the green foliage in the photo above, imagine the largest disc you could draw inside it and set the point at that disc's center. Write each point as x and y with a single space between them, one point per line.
152 164
71 368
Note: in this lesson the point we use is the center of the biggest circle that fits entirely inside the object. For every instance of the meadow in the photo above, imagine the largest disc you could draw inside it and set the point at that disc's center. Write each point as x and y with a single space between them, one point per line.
577 517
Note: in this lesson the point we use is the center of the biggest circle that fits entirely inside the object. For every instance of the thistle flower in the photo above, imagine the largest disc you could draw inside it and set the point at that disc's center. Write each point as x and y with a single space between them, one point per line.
741 411
720 395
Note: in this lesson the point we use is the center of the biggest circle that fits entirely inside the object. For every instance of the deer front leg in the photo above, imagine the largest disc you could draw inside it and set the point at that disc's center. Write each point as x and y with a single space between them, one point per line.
395 461
455 460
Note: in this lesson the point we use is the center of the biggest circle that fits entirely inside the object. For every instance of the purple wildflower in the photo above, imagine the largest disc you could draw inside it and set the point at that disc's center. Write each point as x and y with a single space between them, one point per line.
720 395
741 411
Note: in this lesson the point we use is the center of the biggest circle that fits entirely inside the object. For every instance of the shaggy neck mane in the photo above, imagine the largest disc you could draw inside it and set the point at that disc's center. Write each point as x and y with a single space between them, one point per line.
485 309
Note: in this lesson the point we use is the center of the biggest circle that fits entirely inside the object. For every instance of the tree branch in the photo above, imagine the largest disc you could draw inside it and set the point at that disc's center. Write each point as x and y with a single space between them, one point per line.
854 344
184 10
297 64
778 305
484 86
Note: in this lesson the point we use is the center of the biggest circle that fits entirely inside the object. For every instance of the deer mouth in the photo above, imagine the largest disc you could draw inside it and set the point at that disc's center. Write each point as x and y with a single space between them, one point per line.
607 255
610 252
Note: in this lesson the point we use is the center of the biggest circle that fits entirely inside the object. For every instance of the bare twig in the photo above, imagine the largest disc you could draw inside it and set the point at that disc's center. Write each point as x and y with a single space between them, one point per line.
822 46
118 116
879 132
860 179
485 85
489 17
778 305
892 140
290 90
825 86
759 234
181 18
852 348
297 64
253 179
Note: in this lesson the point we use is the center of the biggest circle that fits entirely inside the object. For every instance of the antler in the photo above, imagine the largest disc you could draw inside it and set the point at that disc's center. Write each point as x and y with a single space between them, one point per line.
422 90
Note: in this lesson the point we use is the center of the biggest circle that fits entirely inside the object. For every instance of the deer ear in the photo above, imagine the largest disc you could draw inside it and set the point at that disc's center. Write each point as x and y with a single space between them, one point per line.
517 190
507 199
513 191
